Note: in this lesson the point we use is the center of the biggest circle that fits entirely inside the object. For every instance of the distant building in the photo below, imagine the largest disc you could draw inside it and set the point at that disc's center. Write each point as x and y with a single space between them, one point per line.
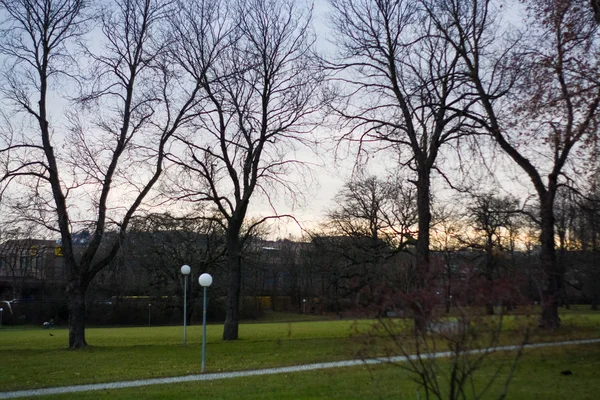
29 268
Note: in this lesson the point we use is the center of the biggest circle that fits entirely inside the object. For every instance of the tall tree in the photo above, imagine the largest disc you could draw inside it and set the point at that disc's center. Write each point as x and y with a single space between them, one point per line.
73 163
261 93
400 89
551 80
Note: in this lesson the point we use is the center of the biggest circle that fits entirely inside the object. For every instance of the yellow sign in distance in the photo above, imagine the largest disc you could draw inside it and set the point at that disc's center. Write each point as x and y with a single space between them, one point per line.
58 251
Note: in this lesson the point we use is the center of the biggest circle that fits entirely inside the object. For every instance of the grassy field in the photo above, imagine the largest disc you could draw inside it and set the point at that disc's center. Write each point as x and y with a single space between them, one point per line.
538 377
32 358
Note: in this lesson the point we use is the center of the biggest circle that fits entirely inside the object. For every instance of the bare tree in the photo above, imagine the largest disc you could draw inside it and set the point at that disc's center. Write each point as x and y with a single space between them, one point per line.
382 211
447 359
261 93
447 233
554 79
372 221
491 216
400 89
104 165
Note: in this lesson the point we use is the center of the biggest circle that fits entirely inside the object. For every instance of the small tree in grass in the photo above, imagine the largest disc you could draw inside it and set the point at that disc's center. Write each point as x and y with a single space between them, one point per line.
452 358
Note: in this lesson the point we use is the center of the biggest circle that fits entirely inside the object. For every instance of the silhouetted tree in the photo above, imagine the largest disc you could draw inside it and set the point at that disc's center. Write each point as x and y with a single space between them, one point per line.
115 137
400 88
491 216
553 94
259 77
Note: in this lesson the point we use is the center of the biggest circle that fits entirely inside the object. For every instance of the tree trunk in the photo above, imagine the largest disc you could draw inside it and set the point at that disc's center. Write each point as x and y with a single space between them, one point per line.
449 274
552 288
234 262
76 307
421 305
595 286
489 272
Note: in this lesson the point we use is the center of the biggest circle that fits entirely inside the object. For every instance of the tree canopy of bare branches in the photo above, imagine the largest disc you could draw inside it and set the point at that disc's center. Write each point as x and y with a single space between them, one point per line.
398 87
369 208
259 80
550 78
91 167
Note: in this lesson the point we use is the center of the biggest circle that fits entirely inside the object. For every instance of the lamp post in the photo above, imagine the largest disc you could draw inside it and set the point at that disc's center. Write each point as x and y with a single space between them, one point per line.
205 281
185 271
149 313
1 312
303 306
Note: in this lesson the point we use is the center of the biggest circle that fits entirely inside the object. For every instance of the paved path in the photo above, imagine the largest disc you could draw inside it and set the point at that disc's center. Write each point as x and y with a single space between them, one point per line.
267 371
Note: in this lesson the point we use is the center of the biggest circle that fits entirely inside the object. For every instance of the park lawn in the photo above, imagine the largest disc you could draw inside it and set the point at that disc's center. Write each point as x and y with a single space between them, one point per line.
538 376
33 358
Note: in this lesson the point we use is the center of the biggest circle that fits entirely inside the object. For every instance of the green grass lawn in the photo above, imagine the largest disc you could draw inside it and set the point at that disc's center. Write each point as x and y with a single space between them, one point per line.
31 358
538 377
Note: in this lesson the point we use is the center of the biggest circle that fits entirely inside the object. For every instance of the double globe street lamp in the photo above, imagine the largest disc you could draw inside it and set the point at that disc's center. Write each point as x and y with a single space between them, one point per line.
205 281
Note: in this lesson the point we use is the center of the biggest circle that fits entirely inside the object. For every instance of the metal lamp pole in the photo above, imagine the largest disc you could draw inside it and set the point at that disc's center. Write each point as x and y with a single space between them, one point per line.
149 313
1 312
205 281
185 270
